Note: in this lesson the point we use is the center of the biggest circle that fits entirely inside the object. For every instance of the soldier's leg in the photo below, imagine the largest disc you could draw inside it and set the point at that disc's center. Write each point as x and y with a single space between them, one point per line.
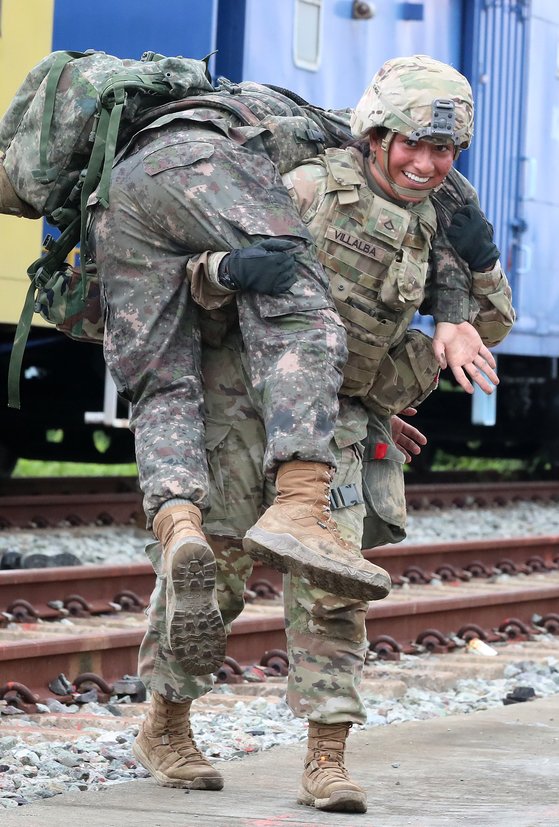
326 634
152 349
164 744
235 441
327 645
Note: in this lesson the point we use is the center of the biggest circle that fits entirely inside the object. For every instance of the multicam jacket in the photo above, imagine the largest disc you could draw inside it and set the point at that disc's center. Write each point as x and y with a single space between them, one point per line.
377 257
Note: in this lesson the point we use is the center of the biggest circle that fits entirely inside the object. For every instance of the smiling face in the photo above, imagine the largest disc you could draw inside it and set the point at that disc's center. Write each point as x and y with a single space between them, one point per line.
414 165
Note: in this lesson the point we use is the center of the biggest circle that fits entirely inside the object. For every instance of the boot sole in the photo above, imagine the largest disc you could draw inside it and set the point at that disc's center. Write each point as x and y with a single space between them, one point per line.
200 782
196 632
285 553
339 802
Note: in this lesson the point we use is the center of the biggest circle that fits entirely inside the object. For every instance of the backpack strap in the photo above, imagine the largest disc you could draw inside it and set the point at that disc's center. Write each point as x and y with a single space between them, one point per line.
40 272
45 175
235 107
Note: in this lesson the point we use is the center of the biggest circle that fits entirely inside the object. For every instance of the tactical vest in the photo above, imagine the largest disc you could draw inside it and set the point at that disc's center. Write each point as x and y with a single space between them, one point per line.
375 254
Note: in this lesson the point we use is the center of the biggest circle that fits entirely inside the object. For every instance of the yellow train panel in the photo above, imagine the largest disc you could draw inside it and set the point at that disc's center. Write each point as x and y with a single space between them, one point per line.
25 38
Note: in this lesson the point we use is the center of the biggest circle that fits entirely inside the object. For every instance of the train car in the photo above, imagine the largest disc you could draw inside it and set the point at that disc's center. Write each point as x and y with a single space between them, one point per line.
326 51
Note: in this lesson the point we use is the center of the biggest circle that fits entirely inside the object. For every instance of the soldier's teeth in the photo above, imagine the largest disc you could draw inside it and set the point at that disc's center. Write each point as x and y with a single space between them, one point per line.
415 178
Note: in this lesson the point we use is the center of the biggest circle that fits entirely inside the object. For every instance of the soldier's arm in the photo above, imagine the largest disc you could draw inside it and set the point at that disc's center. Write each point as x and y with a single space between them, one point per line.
449 285
207 291
205 271
459 292
493 296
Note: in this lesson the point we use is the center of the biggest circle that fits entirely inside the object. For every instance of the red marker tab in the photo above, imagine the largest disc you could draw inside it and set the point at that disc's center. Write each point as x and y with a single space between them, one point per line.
380 450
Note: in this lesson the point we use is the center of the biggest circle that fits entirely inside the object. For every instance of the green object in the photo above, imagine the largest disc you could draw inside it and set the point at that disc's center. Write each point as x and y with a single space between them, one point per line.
65 125
73 116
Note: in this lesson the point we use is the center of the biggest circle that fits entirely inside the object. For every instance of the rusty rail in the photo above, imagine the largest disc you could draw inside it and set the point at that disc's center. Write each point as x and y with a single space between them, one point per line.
80 501
409 619
91 590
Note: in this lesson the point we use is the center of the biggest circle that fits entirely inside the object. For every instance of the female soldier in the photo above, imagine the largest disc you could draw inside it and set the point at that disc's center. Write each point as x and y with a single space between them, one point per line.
371 215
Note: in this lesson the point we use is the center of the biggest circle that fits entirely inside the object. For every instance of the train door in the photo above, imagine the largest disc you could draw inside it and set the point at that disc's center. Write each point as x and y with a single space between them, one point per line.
495 59
495 40
537 278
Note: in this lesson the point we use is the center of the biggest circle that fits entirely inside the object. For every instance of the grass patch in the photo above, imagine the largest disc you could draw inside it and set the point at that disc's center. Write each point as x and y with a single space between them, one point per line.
39 468
449 462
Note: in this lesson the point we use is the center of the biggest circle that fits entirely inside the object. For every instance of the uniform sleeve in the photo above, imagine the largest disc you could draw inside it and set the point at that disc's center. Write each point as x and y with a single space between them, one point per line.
307 185
202 271
495 314
449 283
455 294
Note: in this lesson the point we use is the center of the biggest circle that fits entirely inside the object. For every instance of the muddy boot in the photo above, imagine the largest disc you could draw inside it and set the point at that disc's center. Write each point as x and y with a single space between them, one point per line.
298 534
326 784
10 202
195 630
165 747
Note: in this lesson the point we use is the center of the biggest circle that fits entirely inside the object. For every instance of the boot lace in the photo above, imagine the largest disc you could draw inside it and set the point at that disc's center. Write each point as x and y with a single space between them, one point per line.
328 522
330 763
185 745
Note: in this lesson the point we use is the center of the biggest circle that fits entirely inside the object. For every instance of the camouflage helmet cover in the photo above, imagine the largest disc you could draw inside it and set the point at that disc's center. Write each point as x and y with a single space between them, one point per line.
418 97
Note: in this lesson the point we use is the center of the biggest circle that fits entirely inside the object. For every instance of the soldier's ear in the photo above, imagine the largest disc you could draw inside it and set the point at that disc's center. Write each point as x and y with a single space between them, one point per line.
374 141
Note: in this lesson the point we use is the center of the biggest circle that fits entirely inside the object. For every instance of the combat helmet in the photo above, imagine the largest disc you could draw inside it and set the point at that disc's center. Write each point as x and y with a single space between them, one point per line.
419 97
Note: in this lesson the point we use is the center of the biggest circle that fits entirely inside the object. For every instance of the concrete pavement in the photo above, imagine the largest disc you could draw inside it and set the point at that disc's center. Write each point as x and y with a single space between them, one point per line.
496 768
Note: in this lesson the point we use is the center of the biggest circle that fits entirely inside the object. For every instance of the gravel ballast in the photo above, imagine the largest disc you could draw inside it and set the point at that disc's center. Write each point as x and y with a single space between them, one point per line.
34 765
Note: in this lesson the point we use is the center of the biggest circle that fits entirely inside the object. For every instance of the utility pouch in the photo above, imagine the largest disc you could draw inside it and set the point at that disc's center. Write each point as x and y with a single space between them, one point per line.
406 376
383 486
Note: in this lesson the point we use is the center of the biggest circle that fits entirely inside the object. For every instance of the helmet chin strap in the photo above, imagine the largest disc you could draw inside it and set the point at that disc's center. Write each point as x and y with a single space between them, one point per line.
405 193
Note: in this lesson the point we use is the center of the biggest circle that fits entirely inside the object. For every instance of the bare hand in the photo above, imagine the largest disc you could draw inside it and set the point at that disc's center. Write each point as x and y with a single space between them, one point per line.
459 347
406 438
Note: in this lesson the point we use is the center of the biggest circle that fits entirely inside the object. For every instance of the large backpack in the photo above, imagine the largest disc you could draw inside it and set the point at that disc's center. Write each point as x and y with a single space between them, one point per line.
73 115
58 140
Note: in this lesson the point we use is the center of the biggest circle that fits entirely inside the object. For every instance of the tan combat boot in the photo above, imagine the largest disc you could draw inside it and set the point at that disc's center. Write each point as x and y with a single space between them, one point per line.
10 202
165 747
195 630
298 534
326 784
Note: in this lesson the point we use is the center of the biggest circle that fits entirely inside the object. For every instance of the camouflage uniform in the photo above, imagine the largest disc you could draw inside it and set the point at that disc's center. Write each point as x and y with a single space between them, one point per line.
455 293
326 634
184 188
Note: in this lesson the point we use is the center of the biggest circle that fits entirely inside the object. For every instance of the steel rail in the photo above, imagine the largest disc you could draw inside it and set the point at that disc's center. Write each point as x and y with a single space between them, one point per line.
90 590
81 501
408 619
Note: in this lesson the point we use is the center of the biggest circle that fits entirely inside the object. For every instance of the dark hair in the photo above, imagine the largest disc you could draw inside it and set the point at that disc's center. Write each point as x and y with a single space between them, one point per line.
362 144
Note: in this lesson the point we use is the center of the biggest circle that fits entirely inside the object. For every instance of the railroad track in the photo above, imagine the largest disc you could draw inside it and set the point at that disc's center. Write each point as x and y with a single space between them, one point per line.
40 503
97 621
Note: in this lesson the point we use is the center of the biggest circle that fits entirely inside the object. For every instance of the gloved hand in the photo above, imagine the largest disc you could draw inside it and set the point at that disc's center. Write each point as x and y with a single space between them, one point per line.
471 235
266 267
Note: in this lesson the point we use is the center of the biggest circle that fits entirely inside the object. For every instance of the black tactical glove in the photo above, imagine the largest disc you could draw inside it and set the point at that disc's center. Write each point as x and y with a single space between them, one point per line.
471 235
266 267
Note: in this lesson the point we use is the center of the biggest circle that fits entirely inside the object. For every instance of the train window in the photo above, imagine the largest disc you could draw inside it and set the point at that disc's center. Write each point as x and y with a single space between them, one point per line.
307 39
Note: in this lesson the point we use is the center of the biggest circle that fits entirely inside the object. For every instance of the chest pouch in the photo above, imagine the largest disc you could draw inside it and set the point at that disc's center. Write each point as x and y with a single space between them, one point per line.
404 284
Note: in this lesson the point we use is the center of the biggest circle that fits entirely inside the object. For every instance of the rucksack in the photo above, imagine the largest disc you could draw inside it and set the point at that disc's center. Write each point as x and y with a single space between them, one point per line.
74 113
